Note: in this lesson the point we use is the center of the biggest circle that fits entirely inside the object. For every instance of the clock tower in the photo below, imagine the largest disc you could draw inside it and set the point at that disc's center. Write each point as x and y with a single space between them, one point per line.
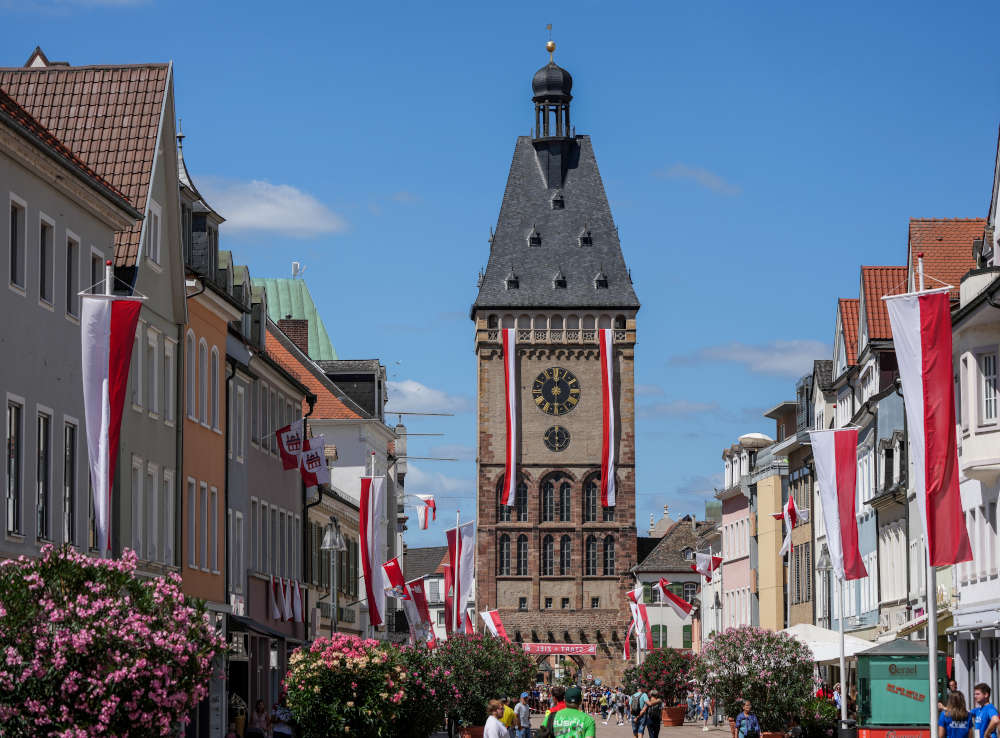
556 563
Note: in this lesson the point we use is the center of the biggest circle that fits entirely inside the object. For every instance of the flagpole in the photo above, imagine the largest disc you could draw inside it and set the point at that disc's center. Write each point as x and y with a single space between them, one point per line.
843 658
456 622
106 552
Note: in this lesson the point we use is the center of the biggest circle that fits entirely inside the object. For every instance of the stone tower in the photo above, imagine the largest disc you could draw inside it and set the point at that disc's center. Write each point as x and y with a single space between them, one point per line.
556 563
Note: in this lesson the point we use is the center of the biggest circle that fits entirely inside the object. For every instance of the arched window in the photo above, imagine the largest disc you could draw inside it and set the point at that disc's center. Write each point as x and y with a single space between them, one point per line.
203 381
609 556
565 552
522 555
190 377
620 322
590 498
215 387
492 322
590 559
503 555
547 553
520 506
556 322
608 514
604 322
564 502
548 502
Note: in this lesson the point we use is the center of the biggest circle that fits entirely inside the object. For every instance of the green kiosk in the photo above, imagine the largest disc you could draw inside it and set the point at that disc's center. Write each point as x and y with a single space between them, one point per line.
892 690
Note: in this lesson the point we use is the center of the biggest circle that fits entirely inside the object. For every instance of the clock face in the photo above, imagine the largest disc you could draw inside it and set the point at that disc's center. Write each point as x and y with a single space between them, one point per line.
556 391
557 438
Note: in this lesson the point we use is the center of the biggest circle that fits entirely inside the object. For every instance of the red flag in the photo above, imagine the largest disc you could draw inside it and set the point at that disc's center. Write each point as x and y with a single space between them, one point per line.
628 635
396 584
372 531
107 331
449 599
608 417
492 620
461 557
643 633
836 453
921 331
469 628
706 564
428 506
418 596
509 494
312 462
678 604
290 444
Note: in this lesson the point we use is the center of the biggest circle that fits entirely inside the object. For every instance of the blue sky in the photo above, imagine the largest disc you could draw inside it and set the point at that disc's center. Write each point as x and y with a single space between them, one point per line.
754 156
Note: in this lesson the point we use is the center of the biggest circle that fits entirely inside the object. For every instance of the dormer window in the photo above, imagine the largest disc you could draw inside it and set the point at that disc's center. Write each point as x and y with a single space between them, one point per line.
559 280
534 238
511 282
557 201
585 238
601 281
687 553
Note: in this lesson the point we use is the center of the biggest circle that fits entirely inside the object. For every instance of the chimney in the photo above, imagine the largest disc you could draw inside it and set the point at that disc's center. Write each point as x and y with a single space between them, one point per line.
297 329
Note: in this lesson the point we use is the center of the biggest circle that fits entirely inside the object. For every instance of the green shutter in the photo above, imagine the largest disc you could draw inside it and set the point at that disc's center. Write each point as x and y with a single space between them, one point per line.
687 637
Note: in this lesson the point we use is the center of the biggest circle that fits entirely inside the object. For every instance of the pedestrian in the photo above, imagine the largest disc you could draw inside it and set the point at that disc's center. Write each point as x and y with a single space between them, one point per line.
259 721
952 687
747 725
281 719
604 708
570 721
955 720
522 717
622 705
558 692
508 716
636 704
652 714
494 728
706 711
985 714
837 697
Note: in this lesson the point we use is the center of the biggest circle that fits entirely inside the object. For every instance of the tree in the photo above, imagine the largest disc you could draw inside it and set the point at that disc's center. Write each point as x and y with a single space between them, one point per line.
772 670
667 670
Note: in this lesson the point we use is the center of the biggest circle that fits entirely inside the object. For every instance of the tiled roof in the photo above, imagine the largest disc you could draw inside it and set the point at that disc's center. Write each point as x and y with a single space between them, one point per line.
877 281
667 556
291 297
108 115
848 307
328 405
10 109
422 562
946 244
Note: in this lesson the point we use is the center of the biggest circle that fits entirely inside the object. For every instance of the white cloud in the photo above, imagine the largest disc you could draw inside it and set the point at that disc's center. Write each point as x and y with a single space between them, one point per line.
262 207
676 409
419 481
416 397
648 390
701 177
778 358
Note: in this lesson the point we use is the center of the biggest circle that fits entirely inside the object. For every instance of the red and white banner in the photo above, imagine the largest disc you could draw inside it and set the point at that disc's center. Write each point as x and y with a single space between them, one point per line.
312 462
395 583
628 637
461 557
470 629
509 494
678 604
418 599
297 604
276 598
565 649
836 455
705 564
791 516
286 599
643 633
449 599
107 332
492 620
427 506
372 529
921 333
290 442
608 417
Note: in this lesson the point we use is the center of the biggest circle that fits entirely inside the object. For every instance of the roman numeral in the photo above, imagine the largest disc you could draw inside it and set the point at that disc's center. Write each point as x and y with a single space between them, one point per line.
539 400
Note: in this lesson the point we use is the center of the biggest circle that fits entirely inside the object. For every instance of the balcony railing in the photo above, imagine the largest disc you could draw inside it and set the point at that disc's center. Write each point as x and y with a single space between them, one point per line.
556 335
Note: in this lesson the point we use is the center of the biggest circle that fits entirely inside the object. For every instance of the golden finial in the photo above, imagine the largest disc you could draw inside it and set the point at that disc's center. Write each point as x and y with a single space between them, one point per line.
550 45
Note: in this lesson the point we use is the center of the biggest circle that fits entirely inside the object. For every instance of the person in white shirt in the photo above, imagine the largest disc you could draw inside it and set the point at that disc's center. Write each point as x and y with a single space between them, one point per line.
494 728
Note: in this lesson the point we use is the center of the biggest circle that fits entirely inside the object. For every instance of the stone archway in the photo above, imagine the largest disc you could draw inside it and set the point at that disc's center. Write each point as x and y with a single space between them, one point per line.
546 665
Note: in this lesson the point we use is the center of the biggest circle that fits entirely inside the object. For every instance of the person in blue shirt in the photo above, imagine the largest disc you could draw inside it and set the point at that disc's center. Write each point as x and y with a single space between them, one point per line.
985 715
747 725
955 721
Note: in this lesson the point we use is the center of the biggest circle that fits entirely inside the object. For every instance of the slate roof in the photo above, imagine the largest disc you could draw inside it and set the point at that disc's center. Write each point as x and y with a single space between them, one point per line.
823 371
946 244
291 297
109 116
848 307
527 204
666 555
877 281
350 366
423 562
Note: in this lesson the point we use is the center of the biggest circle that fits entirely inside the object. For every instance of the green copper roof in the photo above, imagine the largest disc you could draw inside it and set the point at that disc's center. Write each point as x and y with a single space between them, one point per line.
291 297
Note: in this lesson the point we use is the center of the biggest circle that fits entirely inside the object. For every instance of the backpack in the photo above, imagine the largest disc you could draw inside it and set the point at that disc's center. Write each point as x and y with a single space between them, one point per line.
634 704
546 730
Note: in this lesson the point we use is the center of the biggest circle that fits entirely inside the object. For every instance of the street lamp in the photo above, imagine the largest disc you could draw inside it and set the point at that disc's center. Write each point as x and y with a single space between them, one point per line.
333 542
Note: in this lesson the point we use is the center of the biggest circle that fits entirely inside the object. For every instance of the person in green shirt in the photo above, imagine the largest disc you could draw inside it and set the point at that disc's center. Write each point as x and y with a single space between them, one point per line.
571 722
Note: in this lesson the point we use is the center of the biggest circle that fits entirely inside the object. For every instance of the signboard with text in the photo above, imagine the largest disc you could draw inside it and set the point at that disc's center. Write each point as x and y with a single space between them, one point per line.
565 649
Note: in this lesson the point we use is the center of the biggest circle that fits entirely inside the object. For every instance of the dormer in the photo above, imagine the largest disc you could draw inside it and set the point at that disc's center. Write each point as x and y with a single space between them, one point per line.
600 281
511 282
585 238
559 280
534 237
557 202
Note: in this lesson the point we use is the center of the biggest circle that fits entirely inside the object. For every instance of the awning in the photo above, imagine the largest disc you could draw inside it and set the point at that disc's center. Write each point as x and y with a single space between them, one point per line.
263 629
825 644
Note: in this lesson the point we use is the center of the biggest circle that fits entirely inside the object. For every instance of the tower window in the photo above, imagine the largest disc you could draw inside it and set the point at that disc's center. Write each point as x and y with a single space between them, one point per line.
534 238
559 281
585 238
511 282
601 281
557 201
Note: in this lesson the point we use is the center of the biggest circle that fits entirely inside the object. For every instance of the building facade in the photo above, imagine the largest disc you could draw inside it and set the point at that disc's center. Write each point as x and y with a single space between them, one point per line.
739 580
555 563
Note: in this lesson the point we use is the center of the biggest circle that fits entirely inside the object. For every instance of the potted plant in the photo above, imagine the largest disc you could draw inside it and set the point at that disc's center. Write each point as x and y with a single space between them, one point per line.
772 670
668 670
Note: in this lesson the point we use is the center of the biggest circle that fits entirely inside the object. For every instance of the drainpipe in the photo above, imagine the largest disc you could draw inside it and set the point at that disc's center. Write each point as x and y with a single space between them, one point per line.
311 400
225 494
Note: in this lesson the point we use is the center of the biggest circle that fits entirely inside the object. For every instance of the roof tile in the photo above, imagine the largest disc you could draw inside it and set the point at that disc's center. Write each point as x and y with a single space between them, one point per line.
848 307
946 244
877 281
328 405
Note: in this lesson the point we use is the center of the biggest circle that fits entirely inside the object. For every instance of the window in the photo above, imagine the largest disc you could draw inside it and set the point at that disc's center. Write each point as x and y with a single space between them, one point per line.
522 603
547 549
265 539
254 413
434 590
265 424
43 476
169 377
46 232
152 518
153 232
522 555
255 532
136 366
239 430
595 602
192 510
15 450
564 502
169 518
275 550
520 506
69 483
659 633
988 388
137 495
213 533
96 273
238 539
190 377
72 277
503 555
152 371
590 557
215 388
609 556
564 603
17 247
548 502
690 591
203 526
565 553
608 514
548 603
686 637
590 500
203 382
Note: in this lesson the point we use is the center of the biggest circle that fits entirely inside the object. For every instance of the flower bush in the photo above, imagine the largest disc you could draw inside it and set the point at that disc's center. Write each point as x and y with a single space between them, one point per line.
667 670
90 649
772 670
432 692
484 668
818 718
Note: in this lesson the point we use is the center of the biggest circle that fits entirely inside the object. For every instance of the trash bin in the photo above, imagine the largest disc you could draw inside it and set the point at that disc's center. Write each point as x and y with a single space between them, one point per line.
847 729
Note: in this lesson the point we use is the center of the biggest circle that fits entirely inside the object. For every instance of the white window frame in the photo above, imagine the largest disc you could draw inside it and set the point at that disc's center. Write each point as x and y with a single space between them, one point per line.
72 298
239 428
169 379
213 391
151 514
97 286
984 401
192 508
203 528
138 475
265 414
51 223
20 289
169 518
213 532
265 538
154 232
240 557
255 413
138 360
152 368
254 534
203 382
296 548
191 376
